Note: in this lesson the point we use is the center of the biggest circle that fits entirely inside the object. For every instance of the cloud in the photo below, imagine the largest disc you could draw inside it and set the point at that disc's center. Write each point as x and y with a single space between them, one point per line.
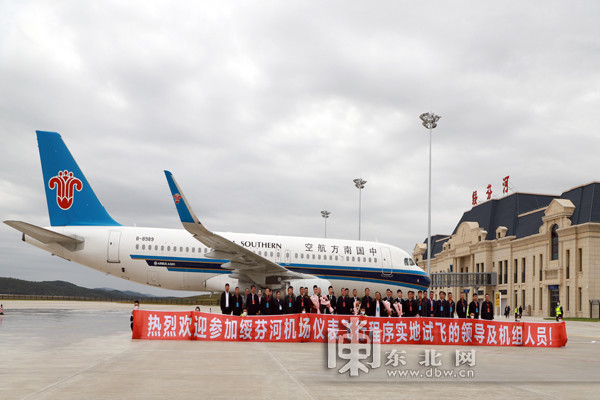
266 111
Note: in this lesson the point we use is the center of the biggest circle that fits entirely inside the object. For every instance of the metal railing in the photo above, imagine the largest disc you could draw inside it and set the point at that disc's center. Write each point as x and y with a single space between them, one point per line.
453 279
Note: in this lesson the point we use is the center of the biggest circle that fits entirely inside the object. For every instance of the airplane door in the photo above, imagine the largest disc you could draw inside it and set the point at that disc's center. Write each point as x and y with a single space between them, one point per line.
114 238
386 261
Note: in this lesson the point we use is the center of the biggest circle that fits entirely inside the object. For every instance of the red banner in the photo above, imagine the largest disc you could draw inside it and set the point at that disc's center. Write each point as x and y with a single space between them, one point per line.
193 325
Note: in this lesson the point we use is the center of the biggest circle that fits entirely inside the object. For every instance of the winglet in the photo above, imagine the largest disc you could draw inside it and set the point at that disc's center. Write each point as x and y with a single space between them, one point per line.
186 214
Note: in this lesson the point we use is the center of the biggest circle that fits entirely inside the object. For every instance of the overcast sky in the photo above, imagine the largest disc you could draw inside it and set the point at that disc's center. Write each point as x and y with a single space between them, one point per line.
265 111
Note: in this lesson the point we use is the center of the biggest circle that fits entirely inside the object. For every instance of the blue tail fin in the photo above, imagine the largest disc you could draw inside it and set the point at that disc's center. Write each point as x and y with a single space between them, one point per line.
70 198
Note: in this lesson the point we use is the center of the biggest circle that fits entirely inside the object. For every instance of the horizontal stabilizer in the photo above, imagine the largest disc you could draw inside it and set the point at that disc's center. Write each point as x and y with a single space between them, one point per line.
41 234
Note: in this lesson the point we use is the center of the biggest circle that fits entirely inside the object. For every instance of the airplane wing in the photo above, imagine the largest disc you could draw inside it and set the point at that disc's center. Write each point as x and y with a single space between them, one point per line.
43 235
241 260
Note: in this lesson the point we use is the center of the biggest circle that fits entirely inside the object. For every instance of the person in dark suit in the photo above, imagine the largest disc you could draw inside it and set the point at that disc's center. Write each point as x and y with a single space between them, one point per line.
411 307
237 303
461 306
353 299
278 303
252 302
245 296
342 306
301 304
487 308
367 303
226 300
474 307
379 309
422 302
451 306
289 302
389 297
332 301
442 309
431 305
267 303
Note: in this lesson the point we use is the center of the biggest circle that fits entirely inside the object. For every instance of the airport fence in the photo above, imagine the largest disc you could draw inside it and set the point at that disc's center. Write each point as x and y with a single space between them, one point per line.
145 300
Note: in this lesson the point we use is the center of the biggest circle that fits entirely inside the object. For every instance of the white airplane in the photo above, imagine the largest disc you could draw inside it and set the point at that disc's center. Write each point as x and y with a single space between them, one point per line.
197 259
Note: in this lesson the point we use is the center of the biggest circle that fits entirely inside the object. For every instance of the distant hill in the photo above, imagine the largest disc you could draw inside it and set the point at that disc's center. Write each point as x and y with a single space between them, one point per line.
60 288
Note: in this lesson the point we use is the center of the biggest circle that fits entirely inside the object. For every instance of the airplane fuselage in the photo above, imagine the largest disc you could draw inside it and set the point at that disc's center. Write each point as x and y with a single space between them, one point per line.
174 259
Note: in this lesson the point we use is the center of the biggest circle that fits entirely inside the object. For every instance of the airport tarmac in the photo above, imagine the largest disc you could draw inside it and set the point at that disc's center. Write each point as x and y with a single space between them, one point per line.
84 350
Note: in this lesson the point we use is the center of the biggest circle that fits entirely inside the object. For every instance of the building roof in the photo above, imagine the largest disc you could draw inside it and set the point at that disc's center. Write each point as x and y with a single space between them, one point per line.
586 202
521 213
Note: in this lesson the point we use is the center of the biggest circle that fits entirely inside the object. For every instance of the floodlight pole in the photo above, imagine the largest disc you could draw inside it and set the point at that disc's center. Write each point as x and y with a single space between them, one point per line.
325 215
429 122
360 185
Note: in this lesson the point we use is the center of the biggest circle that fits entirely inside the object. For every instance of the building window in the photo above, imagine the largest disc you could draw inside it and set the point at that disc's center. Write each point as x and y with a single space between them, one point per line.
505 271
580 259
554 241
580 296
516 271
568 262
523 298
523 270
568 292
540 299
500 272
541 262
533 265
533 299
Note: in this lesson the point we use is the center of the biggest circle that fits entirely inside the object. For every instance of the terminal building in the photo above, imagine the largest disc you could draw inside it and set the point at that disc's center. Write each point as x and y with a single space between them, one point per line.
533 249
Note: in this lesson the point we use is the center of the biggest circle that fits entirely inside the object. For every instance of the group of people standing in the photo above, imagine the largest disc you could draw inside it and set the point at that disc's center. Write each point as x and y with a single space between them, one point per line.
255 303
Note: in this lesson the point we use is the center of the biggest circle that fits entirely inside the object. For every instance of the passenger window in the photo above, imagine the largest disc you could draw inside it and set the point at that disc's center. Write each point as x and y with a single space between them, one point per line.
375 259
193 249
271 254
187 249
181 249
143 247
168 248
162 248
137 246
313 256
